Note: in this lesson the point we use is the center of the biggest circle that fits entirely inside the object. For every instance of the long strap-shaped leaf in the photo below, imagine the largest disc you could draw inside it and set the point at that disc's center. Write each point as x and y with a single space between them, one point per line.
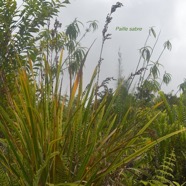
79 74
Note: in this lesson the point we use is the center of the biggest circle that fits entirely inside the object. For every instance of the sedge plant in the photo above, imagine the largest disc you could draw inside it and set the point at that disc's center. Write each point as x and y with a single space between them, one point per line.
48 141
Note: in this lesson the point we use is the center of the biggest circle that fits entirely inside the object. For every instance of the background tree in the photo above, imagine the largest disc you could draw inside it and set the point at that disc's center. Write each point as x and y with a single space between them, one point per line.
19 28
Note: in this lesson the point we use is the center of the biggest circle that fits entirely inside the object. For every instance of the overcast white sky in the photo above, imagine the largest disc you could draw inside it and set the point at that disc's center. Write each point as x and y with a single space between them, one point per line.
169 16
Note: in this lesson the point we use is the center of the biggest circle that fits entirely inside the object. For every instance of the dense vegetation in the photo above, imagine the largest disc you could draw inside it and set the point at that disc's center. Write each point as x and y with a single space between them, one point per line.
92 136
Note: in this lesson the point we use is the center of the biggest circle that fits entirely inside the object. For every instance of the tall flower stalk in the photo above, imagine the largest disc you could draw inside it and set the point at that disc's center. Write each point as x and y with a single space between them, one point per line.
105 37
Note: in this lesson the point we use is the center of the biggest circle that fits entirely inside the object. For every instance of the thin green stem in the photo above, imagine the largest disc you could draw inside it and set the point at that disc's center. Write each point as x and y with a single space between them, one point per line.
142 78
139 61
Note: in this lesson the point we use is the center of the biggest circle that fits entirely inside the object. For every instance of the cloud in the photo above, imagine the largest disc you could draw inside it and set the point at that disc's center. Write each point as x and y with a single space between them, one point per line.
166 15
